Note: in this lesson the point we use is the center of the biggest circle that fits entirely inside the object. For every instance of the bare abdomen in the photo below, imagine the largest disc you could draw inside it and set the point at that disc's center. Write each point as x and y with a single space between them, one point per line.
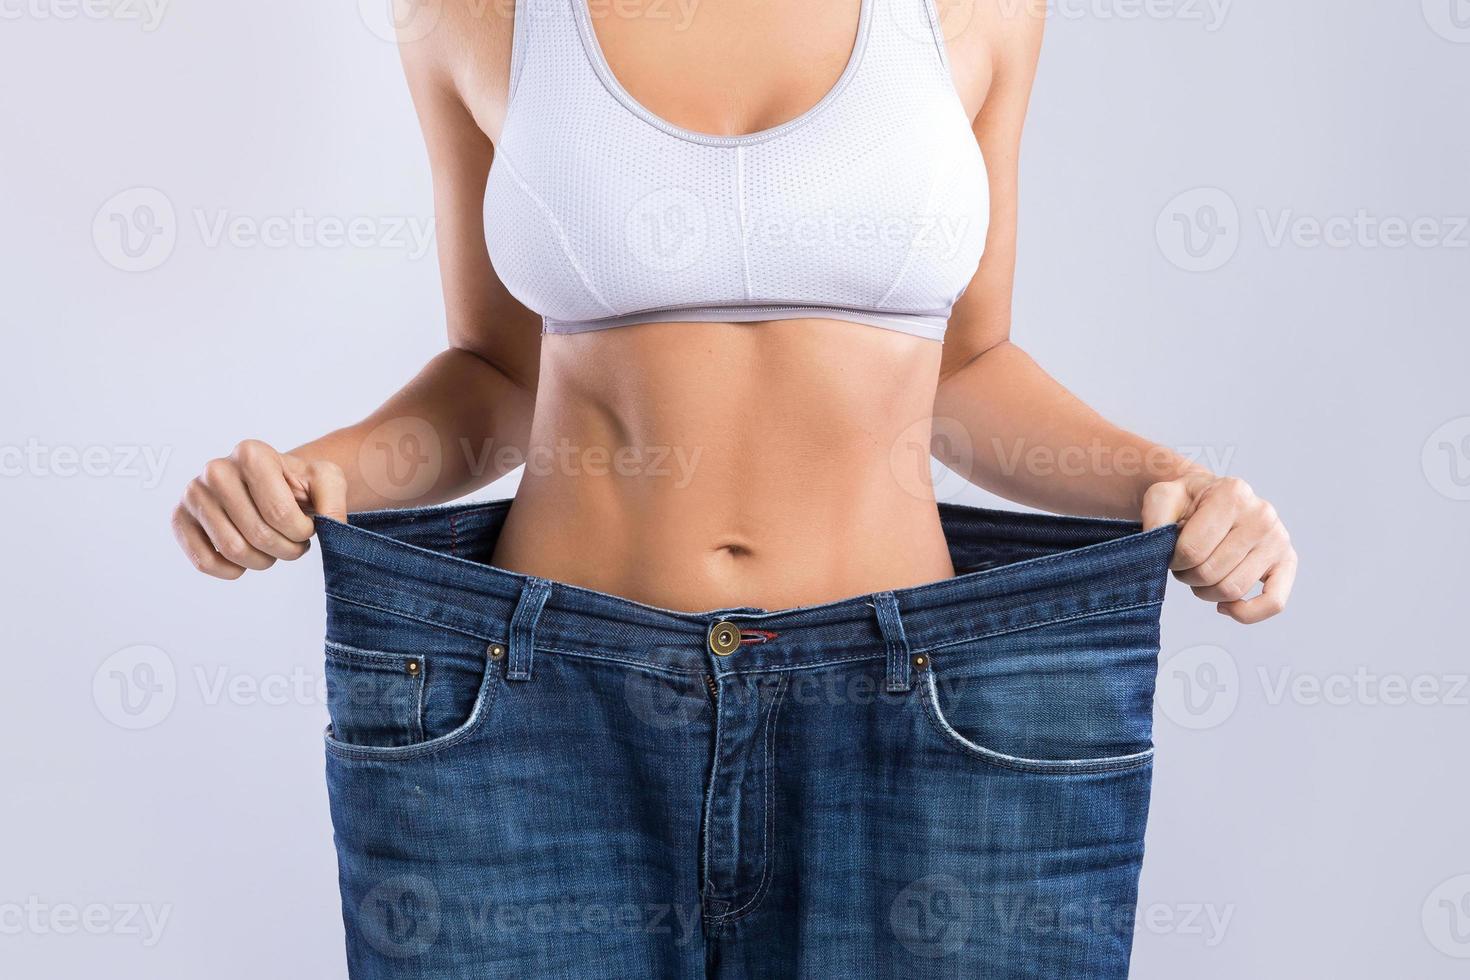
704 465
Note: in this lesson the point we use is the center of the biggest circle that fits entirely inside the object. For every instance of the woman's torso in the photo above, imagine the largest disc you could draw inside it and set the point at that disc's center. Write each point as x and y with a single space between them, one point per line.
706 464
700 466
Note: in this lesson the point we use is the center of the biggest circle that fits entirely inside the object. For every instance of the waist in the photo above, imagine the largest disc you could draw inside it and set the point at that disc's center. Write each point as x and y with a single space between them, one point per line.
1016 571
692 465
742 545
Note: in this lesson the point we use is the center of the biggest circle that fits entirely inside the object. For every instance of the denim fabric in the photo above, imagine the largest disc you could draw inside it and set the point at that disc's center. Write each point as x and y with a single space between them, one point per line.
529 779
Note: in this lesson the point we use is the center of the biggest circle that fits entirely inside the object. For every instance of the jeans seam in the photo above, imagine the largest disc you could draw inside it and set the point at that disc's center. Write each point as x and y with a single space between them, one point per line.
771 669
1041 561
661 668
1039 624
416 618
773 714
404 753
422 683
929 694
348 655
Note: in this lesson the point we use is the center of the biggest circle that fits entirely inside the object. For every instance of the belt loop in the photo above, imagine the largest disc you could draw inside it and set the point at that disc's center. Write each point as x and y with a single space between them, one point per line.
896 644
523 627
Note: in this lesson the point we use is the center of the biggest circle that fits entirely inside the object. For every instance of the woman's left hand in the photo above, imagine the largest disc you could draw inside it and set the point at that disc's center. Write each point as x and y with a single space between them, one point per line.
1231 539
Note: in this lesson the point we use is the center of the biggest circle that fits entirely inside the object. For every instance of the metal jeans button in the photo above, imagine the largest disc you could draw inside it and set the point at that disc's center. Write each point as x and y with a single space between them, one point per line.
724 638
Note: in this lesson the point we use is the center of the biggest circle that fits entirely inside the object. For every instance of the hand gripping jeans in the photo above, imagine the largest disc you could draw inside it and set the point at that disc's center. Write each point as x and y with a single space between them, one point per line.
534 780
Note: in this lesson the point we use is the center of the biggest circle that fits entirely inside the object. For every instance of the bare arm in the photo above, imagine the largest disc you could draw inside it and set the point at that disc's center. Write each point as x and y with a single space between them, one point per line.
1029 439
477 396
444 433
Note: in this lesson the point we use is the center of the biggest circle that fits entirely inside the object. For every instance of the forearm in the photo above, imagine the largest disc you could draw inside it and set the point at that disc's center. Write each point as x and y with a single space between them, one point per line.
457 426
1006 425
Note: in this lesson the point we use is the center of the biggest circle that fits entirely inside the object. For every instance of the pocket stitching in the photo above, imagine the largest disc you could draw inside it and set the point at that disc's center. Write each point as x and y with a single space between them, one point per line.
350 655
929 694
393 753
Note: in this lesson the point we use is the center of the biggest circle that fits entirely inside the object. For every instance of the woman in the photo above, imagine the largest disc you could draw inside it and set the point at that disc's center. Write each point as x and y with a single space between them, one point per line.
724 692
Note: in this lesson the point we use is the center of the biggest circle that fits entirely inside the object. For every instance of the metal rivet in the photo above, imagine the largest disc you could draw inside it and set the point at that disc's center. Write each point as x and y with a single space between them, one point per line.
413 666
496 651
724 638
920 661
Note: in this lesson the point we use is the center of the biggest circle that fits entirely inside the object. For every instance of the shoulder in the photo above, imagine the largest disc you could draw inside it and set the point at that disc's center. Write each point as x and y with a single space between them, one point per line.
458 51
991 41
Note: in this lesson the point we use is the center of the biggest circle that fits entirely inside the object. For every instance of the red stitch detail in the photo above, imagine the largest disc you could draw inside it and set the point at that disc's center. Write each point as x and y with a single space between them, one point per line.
757 636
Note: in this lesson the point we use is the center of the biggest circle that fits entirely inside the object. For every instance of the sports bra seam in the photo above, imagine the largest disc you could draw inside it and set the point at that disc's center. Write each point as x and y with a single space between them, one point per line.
908 257
769 305
930 326
936 28
520 34
561 236
740 209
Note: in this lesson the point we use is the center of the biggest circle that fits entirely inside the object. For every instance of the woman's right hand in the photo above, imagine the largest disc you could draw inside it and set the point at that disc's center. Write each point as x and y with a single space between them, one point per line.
254 507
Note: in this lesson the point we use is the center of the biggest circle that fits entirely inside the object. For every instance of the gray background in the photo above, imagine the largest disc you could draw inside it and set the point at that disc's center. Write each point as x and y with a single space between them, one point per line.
1309 816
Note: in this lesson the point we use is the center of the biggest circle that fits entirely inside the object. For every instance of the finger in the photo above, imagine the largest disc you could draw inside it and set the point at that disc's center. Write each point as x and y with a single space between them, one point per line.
265 479
1241 580
1223 560
1213 516
1273 597
229 489
223 534
327 490
1164 503
195 542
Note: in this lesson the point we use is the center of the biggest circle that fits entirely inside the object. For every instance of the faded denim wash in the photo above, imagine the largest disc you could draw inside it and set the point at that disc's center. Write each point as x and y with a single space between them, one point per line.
529 779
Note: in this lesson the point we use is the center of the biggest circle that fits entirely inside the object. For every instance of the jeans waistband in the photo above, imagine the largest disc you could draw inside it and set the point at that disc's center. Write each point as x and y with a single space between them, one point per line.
1014 571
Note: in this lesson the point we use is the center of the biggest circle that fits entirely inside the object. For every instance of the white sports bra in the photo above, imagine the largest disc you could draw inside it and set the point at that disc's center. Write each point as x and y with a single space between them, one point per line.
870 207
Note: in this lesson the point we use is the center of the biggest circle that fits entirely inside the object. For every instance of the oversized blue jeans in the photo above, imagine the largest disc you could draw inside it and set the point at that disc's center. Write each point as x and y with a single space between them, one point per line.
534 780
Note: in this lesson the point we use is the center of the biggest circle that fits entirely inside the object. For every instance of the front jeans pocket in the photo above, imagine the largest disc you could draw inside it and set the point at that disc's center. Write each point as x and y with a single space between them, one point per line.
374 698
399 687
1073 696
929 691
